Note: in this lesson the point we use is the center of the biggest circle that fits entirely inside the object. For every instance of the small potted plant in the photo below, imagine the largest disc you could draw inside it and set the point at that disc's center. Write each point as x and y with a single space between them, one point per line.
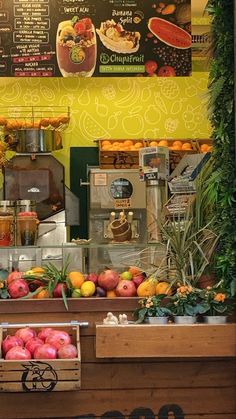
217 303
186 304
152 310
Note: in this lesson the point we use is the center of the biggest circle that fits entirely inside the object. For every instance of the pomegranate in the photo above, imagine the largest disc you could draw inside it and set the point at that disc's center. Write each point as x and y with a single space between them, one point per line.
14 275
11 341
25 333
45 351
18 288
33 343
126 288
44 332
17 352
67 351
57 292
58 338
108 279
92 277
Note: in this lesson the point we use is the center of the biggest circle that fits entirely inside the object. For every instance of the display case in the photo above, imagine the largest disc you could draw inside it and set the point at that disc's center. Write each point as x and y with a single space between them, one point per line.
83 257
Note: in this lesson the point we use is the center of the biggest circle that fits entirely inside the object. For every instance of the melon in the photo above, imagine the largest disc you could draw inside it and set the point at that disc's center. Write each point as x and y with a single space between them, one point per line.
169 33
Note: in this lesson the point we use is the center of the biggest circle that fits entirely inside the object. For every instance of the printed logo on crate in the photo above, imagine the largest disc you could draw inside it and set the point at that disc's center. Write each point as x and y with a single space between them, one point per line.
38 376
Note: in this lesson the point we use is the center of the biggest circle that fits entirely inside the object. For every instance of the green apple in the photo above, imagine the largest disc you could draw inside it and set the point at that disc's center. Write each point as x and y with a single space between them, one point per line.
126 275
76 293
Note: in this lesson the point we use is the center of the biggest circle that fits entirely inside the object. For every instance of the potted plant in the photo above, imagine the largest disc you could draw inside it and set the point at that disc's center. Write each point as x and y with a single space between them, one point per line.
217 303
152 310
186 304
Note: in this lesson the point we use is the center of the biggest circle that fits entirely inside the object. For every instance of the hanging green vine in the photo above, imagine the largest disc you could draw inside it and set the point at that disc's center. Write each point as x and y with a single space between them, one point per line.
222 116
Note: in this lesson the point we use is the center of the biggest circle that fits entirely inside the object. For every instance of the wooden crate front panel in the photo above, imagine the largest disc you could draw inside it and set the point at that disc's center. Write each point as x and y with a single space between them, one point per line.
42 375
119 160
199 340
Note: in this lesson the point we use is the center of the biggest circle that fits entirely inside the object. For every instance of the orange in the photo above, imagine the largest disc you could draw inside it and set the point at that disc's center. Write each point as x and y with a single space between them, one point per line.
111 294
177 143
204 148
134 270
153 144
43 293
44 122
163 288
163 143
186 146
3 120
128 142
106 142
106 147
138 145
175 147
76 278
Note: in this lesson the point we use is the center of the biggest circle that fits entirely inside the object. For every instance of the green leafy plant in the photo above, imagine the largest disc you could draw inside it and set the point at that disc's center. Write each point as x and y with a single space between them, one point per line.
189 249
151 307
186 302
4 294
222 117
217 300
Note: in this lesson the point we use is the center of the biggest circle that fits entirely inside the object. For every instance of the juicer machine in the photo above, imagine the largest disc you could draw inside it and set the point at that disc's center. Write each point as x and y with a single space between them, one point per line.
116 193
34 174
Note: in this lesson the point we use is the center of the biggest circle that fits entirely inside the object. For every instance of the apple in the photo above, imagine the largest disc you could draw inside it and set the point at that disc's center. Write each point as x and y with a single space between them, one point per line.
126 288
138 279
76 293
126 275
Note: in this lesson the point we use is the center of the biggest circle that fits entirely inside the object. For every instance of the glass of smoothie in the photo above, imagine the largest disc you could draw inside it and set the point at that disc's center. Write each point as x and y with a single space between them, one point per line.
76 47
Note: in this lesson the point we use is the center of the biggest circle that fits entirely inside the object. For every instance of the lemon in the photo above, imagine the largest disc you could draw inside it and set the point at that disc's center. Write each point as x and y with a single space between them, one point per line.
87 289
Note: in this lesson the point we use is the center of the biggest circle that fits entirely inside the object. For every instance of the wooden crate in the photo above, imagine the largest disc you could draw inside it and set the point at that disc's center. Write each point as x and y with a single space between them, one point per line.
119 157
41 375
165 341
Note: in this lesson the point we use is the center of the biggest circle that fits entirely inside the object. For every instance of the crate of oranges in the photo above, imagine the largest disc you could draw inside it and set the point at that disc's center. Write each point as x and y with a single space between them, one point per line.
204 145
120 154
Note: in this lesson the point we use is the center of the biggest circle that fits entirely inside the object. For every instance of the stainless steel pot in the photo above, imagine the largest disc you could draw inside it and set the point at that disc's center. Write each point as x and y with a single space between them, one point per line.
38 141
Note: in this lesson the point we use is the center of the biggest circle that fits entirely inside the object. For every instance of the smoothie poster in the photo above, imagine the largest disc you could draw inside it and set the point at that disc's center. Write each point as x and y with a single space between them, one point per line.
95 38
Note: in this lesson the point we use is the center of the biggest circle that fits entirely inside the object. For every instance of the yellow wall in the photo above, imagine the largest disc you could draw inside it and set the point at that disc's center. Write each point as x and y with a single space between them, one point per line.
117 107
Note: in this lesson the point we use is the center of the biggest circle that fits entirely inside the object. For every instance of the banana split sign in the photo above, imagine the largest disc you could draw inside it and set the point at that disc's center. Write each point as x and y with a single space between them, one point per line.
87 38
141 413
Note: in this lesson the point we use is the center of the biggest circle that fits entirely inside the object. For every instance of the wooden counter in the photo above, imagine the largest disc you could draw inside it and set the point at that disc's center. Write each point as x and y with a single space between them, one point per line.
130 387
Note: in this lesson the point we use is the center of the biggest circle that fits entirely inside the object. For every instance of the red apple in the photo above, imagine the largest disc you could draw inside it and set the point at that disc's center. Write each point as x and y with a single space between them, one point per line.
126 288
138 279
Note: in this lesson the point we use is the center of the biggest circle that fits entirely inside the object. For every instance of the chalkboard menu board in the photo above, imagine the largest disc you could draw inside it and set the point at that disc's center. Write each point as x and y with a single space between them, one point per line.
94 38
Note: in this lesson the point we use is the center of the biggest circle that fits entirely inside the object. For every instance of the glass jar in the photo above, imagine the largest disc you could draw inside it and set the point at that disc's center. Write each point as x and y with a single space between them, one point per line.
7 213
26 223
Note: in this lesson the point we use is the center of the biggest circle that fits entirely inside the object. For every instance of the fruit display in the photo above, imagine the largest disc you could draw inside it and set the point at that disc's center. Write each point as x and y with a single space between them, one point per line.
36 117
46 343
51 282
202 146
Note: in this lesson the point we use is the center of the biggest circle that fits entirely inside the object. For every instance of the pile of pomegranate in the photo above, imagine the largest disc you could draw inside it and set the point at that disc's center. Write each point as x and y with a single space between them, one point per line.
48 343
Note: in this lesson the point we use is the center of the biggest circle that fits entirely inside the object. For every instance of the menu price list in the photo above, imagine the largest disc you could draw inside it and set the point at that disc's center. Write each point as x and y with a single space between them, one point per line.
92 38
